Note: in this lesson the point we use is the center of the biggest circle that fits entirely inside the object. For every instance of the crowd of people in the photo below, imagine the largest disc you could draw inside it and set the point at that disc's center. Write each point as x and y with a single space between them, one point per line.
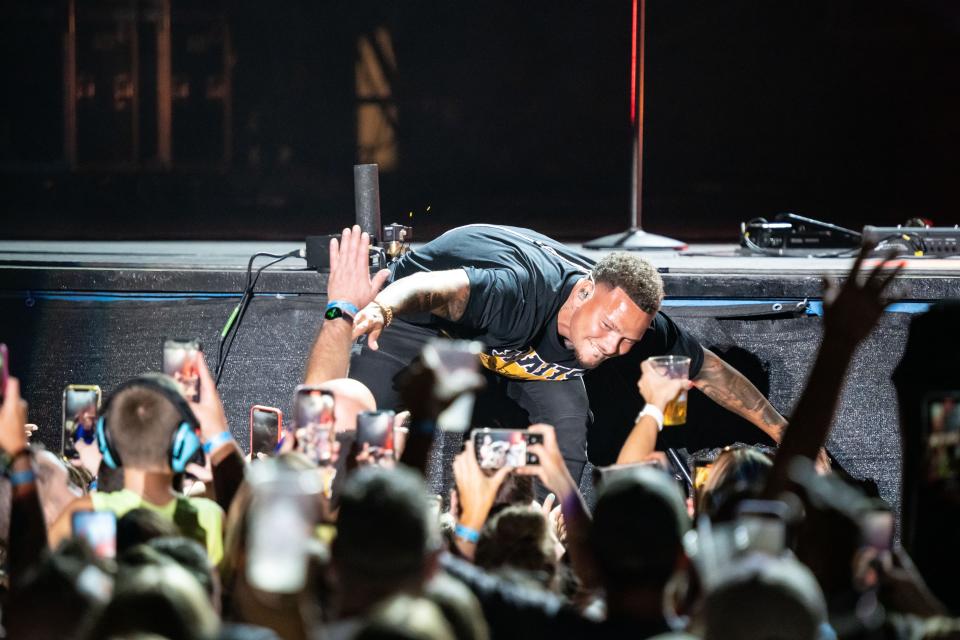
766 546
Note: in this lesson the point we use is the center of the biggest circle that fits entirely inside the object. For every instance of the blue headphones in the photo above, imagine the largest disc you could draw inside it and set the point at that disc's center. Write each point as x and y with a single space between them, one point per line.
185 442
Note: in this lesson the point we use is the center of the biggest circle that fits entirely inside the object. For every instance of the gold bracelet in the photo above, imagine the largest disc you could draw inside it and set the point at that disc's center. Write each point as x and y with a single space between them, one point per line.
387 313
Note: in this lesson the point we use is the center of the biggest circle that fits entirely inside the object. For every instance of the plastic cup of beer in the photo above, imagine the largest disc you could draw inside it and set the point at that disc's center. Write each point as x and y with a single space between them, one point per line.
673 367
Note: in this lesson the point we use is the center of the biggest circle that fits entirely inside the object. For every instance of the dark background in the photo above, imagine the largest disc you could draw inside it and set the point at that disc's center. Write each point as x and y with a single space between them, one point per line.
847 111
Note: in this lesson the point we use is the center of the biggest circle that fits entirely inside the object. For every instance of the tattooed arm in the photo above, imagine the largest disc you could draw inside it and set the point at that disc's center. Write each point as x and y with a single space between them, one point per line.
730 389
443 293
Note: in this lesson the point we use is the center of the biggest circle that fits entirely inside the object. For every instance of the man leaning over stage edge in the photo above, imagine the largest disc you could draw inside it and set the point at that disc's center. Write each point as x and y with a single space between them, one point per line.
546 314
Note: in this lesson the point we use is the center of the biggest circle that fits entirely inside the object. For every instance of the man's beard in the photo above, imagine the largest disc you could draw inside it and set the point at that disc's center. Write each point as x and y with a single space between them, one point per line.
586 365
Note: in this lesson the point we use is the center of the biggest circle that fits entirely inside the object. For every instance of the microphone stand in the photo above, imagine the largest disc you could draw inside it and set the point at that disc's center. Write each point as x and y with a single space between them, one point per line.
635 238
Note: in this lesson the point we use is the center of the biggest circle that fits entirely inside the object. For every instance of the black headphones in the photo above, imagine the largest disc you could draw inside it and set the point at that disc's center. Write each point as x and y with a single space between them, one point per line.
185 441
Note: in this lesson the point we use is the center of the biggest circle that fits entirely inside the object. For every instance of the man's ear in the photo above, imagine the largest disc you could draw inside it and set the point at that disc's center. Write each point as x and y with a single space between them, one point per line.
587 288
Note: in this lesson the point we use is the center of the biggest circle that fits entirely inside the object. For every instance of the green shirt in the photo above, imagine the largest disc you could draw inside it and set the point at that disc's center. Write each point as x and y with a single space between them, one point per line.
209 514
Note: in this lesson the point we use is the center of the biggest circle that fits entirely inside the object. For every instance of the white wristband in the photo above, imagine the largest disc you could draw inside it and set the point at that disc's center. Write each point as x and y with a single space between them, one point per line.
654 412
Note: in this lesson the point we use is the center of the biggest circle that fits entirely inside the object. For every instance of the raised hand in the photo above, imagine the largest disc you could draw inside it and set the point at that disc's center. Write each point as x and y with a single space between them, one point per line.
853 309
476 489
349 278
551 468
13 417
209 410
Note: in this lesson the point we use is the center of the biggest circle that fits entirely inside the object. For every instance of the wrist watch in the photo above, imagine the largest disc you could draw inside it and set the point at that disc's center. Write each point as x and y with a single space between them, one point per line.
340 309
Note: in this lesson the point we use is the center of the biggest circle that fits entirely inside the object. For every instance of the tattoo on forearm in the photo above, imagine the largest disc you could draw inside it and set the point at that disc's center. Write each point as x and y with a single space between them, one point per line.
730 389
443 293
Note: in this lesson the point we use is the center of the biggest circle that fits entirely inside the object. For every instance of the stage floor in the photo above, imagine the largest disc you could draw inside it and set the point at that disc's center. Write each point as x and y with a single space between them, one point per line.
703 271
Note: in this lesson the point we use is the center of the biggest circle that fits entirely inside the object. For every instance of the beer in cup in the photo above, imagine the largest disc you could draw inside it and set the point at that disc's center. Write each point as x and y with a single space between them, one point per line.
673 367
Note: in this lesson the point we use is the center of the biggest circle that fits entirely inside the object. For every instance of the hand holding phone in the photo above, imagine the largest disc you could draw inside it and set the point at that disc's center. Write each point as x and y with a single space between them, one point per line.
375 429
266 427
181 361
498 448
81 406
315 422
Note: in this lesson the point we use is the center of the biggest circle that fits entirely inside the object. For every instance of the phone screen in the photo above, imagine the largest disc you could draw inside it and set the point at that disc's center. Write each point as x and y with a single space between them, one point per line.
81 404
98 529
314 414
375 428
265 426
498 448
942 424
181 361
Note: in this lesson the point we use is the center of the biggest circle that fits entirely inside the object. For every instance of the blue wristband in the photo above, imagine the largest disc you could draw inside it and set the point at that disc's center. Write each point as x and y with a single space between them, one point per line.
216 441
343 305
18 478
466 533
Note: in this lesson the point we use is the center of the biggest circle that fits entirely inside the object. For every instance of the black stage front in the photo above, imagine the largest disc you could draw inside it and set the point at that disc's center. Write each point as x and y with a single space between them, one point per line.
97 312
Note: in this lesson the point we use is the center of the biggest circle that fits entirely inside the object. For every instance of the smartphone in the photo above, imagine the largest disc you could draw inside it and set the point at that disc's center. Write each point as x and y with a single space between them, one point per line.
878 528
375 429
98 529
314 417
455 364
81 405
181 361
497 448
765 524
941 418
266 427
4 368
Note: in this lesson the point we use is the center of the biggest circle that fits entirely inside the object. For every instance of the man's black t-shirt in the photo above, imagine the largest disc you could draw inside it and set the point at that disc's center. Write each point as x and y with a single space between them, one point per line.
519 279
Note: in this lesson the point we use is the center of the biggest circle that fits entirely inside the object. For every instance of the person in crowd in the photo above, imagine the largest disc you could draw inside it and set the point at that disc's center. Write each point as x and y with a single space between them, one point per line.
144 422
761 596
636 544
546 316
926 380
290 615
737 474
57 595
372 563
162 599
27 537
517 539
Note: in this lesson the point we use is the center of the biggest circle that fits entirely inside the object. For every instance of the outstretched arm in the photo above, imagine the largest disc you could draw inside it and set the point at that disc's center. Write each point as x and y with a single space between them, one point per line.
657 390
731 390
443 293
349 281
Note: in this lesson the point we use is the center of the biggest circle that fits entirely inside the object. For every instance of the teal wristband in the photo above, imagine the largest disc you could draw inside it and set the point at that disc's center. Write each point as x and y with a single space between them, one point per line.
18 478
343 305
464 532
216 441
